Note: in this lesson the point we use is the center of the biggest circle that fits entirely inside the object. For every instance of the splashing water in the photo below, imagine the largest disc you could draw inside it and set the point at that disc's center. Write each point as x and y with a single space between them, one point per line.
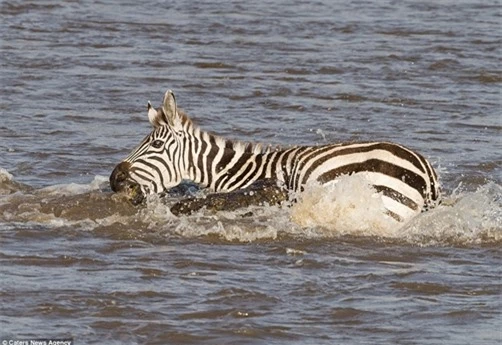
471 218
350 207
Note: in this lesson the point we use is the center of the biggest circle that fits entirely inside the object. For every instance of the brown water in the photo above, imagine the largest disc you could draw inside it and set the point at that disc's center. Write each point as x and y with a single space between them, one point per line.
79 262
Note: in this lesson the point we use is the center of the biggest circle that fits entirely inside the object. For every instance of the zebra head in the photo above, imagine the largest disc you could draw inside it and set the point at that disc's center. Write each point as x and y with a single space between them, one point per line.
154 166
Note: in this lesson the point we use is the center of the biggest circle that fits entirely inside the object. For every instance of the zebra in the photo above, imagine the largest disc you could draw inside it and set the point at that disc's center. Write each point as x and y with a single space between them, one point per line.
177 150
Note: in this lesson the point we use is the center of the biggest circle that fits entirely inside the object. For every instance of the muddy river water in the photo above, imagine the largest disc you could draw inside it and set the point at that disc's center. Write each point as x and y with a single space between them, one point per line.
77 262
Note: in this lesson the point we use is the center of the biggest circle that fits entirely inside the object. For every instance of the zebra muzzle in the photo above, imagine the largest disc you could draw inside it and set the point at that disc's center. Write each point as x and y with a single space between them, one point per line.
120 182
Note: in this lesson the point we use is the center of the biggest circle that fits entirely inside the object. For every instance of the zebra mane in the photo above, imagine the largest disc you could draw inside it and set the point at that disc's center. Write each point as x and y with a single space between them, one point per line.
185 120
237 145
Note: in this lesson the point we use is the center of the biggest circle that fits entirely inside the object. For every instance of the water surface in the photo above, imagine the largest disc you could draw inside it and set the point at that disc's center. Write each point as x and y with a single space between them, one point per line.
78 262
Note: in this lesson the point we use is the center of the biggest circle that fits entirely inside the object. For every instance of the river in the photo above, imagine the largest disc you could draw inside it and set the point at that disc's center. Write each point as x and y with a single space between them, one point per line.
79 263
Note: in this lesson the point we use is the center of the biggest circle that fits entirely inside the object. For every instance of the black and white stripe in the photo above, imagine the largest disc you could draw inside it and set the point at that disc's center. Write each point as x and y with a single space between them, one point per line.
177 150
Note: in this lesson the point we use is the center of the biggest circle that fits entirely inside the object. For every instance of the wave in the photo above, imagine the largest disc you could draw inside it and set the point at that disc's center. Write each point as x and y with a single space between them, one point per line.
348 209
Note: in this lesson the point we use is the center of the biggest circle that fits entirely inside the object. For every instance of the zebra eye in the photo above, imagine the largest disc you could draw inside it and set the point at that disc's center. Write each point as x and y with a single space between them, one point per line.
157 143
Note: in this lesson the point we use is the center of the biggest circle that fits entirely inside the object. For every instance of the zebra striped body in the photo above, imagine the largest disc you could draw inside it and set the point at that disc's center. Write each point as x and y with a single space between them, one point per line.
177 150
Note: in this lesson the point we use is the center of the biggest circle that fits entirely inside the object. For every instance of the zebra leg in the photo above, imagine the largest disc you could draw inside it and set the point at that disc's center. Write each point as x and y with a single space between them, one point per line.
257 194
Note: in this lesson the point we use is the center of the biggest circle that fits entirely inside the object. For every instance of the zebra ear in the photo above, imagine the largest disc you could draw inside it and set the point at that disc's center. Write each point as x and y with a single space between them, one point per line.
156 117
167 115
169 109
152 114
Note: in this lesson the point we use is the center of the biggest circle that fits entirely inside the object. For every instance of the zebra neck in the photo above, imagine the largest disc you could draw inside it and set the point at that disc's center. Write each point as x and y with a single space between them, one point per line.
224 165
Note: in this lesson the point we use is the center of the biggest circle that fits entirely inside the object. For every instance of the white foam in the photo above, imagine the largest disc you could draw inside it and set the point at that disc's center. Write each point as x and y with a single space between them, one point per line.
230 231
157 214
75 188
349 206
467 218
5 176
